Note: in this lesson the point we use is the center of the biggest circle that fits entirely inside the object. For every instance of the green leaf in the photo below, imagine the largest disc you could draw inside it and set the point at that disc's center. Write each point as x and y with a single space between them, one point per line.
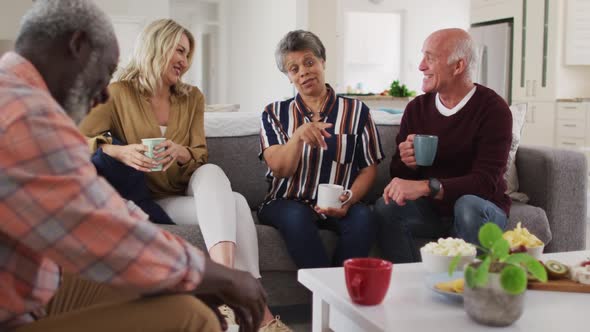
501 249
537 270
470 276
533 266
453 264
513 279
519 258
481 273
489 233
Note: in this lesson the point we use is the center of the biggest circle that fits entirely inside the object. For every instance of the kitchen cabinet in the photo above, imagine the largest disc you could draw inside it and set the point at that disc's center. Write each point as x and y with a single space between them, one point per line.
573 126
539 125
534 43
577 39
491 10
534 75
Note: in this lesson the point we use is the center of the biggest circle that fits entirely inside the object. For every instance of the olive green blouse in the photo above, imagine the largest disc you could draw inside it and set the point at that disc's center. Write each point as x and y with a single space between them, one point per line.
128 116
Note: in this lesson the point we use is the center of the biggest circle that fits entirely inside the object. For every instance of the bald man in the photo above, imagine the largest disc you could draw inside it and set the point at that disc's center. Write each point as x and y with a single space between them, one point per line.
464 187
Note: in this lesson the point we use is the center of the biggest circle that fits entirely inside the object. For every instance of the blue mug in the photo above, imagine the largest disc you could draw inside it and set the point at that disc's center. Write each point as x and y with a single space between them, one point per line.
425 149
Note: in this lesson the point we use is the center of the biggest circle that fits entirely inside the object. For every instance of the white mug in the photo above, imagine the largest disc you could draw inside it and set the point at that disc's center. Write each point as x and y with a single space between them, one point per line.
329 195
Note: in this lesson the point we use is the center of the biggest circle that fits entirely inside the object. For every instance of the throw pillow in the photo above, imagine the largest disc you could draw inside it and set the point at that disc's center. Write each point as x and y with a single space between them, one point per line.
511 175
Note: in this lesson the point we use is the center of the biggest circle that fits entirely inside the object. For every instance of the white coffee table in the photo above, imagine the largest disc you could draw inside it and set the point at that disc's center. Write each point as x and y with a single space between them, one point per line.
412 306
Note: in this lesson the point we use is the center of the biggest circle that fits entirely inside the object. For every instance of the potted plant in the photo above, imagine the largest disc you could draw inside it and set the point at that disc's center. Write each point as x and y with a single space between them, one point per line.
495 286
400 90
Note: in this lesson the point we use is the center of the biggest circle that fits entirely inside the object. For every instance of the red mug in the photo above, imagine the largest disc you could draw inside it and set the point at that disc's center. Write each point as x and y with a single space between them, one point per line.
367 279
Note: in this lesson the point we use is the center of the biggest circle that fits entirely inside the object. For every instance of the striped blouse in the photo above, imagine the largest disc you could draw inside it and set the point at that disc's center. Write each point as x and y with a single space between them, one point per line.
354 145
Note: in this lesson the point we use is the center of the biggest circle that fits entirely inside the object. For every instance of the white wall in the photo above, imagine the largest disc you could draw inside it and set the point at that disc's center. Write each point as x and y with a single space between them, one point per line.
149 9
324 23
420 18
256 26
12 11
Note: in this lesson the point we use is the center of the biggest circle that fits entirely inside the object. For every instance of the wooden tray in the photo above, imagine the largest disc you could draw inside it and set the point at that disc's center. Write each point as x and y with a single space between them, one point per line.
563 285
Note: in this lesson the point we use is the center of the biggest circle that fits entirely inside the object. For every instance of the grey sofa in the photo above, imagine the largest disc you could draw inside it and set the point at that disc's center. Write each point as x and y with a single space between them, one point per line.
555 181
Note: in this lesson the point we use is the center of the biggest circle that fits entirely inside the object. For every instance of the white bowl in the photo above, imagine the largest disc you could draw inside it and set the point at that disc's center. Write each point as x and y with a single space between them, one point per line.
440 263
535 251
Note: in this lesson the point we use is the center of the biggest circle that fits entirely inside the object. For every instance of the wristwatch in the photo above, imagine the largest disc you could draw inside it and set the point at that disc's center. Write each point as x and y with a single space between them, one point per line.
434 185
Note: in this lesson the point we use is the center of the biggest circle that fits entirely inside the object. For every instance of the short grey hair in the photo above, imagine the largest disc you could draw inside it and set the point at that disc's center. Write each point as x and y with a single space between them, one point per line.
50 19
298 40
465 49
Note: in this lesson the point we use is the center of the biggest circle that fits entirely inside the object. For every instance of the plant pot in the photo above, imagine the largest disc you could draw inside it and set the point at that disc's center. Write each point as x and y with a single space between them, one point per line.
491 305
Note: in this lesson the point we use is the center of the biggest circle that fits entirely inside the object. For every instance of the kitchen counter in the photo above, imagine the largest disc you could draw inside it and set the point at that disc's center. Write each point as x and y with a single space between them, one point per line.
382 102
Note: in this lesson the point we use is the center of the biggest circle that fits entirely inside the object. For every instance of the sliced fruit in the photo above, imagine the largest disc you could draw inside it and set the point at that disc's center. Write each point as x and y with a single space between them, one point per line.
556 270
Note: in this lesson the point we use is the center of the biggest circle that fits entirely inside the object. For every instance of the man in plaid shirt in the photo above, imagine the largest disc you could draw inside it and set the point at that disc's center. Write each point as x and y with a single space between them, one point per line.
57 215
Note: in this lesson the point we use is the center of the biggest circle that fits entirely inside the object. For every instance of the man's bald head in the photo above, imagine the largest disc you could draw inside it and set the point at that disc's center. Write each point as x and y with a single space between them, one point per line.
456 44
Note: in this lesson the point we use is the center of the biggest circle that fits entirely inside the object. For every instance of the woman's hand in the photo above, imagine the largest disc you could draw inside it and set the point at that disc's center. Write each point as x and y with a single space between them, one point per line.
131 155
335 212
173 152
313 133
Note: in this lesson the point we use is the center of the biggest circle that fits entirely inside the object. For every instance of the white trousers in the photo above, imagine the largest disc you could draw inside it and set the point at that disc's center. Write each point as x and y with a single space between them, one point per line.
223 215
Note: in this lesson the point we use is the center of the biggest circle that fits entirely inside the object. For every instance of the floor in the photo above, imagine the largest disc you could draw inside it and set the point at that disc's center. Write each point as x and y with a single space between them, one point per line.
297 317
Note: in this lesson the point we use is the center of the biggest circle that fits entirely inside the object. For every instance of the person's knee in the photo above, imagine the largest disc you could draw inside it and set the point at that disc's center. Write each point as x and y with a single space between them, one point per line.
241 202
385 213
188 313
361 217
210 172
468 209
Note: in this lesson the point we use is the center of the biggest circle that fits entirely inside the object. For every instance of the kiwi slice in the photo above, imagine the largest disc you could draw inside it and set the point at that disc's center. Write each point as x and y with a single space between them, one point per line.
556 270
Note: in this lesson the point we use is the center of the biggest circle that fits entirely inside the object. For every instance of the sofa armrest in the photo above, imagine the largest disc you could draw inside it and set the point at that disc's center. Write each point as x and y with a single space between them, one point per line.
556 181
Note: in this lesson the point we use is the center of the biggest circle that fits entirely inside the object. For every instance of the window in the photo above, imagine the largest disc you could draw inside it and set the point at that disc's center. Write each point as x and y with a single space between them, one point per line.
372 43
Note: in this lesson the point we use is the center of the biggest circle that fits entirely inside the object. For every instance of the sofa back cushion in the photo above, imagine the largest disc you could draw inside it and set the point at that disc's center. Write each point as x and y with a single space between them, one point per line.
238 157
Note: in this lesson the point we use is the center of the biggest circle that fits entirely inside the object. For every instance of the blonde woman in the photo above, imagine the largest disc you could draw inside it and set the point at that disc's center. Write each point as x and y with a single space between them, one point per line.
150 100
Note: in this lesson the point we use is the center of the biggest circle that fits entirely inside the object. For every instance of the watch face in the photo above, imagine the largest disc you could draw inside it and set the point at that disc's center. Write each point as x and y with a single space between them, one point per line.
434 186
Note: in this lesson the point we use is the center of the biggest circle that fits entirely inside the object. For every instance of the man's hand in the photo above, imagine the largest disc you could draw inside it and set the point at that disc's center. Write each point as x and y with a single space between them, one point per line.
313 133
400 191
237 289
406 152
335 212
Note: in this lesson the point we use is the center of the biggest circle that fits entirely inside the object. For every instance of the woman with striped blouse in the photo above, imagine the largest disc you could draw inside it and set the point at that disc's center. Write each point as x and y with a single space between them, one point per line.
317 137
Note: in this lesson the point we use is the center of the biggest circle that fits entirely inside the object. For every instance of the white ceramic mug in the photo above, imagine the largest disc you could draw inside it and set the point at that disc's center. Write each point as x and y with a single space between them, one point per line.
329 195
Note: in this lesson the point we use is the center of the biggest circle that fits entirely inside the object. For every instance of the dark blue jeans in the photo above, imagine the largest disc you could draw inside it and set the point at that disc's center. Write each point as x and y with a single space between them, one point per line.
398 225
299 225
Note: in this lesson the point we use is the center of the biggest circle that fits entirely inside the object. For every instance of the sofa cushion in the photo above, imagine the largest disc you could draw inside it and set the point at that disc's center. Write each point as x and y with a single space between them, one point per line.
238 158
511 175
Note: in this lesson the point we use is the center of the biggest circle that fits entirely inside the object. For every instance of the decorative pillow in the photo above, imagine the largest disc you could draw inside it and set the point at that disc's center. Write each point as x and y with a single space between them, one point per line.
511 175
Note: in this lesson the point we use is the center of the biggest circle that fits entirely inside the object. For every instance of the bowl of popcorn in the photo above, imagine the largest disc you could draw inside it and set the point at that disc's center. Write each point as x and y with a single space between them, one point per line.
436 256
521 240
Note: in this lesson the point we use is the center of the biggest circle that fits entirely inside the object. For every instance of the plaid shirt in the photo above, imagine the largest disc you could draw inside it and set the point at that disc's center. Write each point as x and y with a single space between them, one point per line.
56 213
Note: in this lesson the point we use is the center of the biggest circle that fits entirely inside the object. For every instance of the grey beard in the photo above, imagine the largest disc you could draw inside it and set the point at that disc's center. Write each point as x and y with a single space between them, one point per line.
77 103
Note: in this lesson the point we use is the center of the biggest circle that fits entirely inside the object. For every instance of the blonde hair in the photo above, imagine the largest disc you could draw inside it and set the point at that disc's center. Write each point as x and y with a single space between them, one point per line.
153 50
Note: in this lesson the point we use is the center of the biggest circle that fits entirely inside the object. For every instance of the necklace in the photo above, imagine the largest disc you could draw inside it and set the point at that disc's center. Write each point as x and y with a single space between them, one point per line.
320 112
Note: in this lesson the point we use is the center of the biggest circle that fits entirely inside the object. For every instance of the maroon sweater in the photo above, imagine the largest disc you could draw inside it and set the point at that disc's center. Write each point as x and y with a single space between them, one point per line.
473 146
